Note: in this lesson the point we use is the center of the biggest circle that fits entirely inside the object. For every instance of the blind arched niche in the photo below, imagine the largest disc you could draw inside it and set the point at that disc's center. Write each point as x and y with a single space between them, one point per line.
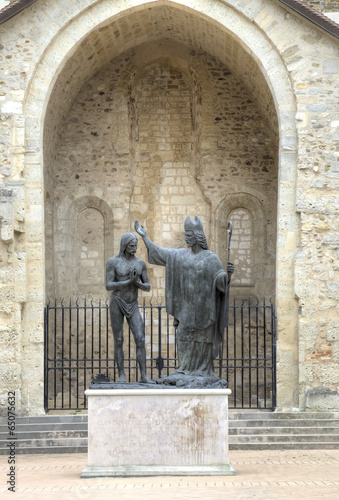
90 250
83 241
252 244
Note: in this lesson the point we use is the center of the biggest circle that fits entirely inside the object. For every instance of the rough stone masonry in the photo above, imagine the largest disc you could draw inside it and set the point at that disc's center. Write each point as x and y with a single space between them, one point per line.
112 111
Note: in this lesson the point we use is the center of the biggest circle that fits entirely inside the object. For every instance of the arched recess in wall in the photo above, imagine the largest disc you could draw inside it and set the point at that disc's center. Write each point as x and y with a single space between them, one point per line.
85 238
90 251
221 26
82 44
254 259
242 246
263 54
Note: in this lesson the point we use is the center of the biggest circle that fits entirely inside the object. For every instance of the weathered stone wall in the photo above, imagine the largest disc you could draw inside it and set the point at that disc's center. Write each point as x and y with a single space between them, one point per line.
53 60
317 202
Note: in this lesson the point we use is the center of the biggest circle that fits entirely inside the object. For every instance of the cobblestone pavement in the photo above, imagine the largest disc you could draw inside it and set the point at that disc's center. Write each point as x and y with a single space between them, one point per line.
292 474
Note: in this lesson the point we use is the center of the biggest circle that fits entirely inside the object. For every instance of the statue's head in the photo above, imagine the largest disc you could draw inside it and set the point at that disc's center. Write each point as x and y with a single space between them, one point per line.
128 242
194 232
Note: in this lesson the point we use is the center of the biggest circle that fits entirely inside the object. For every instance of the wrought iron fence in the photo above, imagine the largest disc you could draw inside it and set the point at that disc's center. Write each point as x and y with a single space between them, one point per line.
79 345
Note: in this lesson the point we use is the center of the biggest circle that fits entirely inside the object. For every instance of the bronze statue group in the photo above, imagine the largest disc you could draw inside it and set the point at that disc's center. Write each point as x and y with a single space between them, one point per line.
196 296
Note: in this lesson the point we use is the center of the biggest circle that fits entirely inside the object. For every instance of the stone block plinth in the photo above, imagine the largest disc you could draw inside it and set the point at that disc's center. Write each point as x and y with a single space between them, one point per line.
157 432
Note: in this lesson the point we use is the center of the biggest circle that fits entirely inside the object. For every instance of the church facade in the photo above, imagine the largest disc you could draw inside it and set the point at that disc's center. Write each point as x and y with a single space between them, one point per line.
155 110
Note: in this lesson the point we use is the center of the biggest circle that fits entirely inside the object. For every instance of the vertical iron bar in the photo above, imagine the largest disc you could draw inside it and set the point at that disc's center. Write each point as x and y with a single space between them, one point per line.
99 332
85 354
78 355
175 346
257 348
235 357
265 357
152 345
168 343
227 348
107 340
129 354
46 340
62 352
99 335
92 336
274 353
159 342
249 355
70 355
242 354
84 342
55 352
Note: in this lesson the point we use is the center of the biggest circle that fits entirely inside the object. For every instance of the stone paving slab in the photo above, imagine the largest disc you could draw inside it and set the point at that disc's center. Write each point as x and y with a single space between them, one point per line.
292 474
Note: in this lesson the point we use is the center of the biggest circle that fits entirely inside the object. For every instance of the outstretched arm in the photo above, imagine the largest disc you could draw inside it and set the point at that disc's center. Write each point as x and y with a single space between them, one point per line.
141 230
156 255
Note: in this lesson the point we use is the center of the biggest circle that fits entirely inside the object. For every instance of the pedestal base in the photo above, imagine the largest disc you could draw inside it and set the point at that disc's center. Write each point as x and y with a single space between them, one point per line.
166 432
157 470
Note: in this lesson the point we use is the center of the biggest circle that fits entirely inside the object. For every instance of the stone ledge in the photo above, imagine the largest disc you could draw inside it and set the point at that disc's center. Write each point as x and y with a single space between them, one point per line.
153 470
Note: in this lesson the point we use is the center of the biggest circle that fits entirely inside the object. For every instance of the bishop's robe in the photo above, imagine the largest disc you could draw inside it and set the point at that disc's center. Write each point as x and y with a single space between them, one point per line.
196 297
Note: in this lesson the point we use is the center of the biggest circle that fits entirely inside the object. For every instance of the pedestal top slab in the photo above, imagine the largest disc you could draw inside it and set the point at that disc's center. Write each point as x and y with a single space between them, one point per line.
158 392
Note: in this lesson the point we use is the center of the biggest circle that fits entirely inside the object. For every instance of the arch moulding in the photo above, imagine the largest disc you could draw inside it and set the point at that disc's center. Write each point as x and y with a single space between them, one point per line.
240 26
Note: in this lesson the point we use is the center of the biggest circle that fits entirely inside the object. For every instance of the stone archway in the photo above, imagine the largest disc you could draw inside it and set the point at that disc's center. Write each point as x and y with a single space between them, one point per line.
259 62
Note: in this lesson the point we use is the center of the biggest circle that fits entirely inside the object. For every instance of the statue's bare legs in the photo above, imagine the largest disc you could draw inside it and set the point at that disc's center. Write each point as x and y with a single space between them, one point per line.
117 322
137 326
138 330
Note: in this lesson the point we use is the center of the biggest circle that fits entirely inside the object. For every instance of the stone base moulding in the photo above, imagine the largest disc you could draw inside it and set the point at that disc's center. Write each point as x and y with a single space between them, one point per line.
157 432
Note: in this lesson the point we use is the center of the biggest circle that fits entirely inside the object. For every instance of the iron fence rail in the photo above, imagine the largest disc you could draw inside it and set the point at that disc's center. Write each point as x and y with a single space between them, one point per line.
79 345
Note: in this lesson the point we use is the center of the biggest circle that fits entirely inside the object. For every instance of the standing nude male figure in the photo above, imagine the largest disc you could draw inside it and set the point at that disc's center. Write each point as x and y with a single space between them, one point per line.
125 275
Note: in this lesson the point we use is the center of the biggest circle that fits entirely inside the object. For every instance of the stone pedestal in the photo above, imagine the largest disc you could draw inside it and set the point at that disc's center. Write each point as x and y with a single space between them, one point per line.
158 432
